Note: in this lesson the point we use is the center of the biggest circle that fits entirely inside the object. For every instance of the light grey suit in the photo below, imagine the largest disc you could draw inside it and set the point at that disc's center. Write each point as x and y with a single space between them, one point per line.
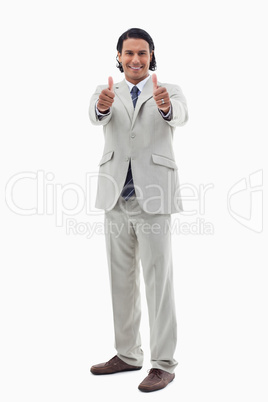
138 229
144 136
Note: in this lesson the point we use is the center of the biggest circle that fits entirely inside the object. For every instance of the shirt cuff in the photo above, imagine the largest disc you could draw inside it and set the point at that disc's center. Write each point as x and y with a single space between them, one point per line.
99 114
167 115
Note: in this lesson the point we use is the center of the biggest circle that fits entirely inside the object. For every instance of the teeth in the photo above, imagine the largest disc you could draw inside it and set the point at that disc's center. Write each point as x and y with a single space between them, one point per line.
135 68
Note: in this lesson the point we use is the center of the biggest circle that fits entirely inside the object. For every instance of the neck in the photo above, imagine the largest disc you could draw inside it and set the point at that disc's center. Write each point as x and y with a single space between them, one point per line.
135 82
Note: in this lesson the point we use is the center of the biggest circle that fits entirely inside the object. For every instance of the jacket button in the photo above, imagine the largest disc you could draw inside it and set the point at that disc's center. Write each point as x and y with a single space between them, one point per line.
126 159
133 135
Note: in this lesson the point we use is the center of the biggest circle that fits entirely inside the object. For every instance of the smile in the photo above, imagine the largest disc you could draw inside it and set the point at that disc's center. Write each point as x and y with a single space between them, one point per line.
135 68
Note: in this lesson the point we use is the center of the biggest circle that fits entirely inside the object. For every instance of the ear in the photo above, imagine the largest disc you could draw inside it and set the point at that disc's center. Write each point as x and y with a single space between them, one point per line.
151 55
119 56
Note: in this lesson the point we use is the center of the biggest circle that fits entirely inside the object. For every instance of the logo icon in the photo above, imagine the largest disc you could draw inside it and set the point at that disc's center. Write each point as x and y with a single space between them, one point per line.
245 201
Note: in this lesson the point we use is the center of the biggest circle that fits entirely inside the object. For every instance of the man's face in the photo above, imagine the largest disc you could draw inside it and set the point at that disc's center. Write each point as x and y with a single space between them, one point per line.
135 59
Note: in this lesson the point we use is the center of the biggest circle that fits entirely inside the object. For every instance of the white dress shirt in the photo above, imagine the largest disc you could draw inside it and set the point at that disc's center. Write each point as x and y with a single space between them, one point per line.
140 86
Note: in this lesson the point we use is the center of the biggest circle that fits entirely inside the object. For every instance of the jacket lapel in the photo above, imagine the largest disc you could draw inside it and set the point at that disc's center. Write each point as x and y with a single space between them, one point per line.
122 91
146 94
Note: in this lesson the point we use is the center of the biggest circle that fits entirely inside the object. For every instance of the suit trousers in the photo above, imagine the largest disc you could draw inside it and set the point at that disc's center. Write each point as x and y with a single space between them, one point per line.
133 236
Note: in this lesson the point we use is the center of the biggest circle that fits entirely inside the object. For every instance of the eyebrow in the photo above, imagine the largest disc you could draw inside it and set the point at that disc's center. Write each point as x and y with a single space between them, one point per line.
142 50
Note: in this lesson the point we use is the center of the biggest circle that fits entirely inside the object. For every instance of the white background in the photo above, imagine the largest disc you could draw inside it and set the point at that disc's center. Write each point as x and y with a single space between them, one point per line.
56 318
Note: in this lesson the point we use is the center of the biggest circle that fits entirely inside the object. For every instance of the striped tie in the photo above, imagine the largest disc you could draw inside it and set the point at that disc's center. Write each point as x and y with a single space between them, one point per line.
128 189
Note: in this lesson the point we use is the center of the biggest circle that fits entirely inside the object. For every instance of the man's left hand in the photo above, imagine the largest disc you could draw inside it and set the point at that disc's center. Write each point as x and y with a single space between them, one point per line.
161 96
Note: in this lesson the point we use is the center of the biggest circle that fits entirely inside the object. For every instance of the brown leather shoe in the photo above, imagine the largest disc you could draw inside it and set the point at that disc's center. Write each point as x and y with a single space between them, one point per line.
156 379
114 365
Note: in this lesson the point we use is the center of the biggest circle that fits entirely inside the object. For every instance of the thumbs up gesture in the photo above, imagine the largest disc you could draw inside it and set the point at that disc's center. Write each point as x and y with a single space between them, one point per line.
106 97
161 96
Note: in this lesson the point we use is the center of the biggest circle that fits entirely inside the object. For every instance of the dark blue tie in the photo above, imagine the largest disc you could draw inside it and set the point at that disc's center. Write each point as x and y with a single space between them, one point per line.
128 189
134 95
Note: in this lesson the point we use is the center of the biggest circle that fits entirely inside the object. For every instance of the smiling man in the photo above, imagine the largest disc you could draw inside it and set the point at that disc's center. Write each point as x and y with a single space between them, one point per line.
135 59
138 188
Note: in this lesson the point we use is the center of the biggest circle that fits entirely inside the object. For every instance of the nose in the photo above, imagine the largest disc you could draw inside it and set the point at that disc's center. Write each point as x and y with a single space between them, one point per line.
136 59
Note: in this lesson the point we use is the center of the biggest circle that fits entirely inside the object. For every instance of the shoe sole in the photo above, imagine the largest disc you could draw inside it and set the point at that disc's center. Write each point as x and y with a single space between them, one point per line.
114 372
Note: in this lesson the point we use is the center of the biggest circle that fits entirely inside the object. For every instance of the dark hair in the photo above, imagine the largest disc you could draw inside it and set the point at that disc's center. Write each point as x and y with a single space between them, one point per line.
138 34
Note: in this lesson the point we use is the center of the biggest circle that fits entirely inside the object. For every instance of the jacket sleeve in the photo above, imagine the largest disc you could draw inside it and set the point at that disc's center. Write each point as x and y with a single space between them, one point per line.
179 107
92 109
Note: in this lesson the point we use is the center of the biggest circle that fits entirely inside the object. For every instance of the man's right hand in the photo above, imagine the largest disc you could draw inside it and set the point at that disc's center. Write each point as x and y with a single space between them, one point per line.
106 97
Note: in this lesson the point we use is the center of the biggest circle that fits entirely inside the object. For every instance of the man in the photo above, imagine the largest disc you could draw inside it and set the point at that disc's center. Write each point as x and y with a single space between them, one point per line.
138 188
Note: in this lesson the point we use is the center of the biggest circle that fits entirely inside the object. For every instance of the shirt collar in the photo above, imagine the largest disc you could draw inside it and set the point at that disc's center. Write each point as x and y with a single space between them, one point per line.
140 85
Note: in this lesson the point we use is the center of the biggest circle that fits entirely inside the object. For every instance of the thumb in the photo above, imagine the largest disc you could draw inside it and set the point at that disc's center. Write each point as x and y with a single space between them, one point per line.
154 79
110 83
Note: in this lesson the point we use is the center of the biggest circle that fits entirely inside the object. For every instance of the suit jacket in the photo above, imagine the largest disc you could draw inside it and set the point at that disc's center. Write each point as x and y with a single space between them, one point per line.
143 136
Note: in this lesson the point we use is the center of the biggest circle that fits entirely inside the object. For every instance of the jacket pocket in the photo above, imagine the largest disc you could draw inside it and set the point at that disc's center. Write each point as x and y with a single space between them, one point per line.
106 157
162 160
